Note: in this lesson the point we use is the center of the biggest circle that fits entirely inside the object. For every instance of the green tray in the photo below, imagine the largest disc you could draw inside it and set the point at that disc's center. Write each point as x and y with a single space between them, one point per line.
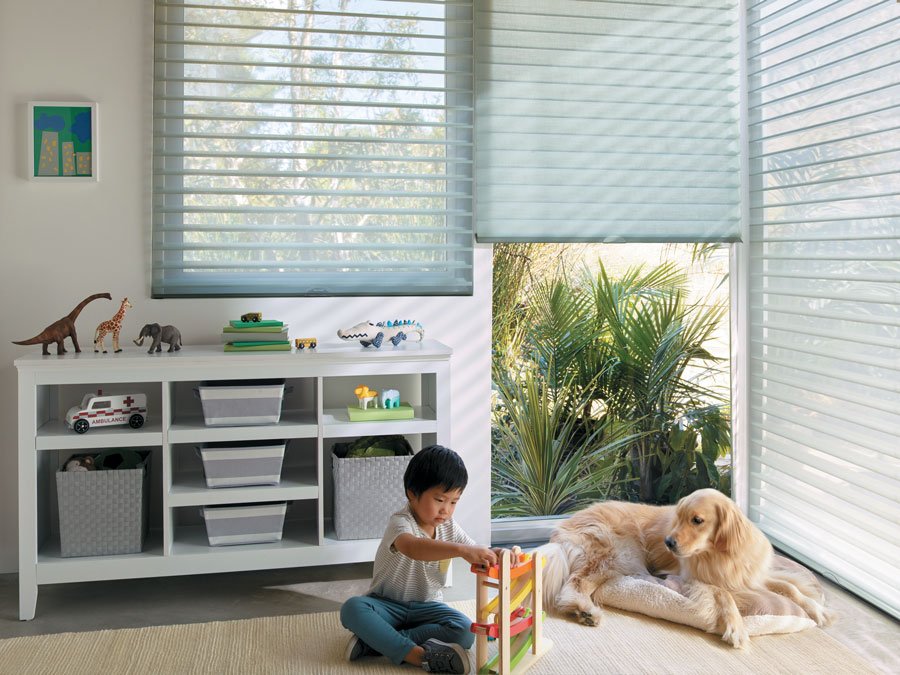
403 412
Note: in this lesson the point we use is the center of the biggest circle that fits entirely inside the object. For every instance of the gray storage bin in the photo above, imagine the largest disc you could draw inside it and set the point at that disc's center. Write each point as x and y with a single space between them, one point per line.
367 491
103 512
234 463
244 523
241 402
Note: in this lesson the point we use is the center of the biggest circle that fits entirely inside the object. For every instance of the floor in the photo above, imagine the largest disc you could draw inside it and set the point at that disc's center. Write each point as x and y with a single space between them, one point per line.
215 597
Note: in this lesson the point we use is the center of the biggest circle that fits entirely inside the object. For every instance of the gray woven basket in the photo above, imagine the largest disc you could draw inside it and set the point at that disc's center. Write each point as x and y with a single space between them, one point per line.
103 512
367 491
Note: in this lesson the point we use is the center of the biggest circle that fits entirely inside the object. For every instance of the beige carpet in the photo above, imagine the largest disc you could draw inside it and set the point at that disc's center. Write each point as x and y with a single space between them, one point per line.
313 644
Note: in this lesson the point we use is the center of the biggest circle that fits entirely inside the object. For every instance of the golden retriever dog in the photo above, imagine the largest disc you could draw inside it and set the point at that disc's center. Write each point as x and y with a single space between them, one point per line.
703 547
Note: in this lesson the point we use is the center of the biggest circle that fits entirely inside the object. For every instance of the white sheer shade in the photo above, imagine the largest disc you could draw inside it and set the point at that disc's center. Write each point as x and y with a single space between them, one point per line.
312 147
824 94
607 121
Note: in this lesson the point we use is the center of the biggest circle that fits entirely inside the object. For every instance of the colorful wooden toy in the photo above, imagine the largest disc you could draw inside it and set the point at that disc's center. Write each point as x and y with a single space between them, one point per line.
511 618
300 343
251 316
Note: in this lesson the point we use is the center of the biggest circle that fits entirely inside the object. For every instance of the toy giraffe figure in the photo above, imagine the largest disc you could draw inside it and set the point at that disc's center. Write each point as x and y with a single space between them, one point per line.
114 326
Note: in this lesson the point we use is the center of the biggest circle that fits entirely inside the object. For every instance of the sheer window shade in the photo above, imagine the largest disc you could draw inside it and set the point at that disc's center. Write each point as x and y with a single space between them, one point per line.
824 116
607 121
312 147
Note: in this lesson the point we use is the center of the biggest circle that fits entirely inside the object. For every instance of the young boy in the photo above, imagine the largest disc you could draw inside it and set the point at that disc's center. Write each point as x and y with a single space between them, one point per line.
402 616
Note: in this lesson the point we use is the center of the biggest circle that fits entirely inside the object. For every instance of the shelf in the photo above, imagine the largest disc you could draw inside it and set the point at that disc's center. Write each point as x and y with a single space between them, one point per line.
293 424
55 435
177 487
52 568
336 424
296 484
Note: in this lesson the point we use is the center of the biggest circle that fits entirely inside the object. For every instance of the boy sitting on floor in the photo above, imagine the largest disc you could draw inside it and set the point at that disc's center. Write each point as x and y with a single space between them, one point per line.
402 615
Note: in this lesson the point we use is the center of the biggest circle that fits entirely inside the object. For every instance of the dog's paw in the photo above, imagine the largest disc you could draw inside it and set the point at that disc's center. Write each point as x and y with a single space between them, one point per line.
737 636
827 617
591 618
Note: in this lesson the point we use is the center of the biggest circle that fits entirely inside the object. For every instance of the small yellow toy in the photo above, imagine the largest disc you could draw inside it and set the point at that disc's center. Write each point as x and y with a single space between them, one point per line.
511 616
251 316
300 343
364 394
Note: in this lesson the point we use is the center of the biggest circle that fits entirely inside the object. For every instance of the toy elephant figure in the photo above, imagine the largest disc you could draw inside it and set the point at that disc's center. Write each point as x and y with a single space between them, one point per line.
168 334
390 398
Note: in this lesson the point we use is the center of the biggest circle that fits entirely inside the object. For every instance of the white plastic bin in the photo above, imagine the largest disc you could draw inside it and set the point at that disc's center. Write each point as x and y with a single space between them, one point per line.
229 403
244 523
237 463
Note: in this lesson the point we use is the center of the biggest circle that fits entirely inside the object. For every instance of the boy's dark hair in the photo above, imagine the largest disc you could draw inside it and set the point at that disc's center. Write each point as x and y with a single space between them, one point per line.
435 465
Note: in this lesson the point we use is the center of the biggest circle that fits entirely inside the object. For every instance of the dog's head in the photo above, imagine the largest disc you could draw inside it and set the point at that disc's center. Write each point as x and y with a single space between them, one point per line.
706 520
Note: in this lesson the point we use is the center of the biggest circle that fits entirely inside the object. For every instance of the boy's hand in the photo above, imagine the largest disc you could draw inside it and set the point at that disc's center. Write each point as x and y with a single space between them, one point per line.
513 555
480 556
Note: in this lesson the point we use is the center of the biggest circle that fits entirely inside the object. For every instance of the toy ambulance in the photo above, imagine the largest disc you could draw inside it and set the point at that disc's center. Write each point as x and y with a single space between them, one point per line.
97 410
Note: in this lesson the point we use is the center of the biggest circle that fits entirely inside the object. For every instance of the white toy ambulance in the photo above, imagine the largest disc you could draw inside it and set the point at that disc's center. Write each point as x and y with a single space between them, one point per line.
97 410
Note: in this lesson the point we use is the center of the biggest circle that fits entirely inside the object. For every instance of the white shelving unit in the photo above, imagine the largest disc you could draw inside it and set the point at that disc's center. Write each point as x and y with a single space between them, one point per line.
313 416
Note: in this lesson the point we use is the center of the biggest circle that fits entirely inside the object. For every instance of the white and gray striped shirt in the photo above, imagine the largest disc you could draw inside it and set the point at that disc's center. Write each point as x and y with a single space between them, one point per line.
397 577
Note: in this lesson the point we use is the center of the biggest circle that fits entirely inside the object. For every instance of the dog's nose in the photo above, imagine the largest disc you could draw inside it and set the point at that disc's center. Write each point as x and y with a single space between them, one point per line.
671 544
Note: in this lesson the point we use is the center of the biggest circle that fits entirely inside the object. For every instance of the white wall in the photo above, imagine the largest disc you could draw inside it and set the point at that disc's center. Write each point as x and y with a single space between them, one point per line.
63 242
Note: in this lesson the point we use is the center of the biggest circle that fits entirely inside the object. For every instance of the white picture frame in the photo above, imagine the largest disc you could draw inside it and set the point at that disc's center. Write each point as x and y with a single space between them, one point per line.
63 141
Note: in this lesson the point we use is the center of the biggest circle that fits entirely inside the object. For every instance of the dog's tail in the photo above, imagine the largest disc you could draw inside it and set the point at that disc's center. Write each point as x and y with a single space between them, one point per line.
556 570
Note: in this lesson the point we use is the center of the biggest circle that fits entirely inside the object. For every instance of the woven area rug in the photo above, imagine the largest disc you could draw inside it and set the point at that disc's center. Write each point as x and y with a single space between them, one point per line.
313 644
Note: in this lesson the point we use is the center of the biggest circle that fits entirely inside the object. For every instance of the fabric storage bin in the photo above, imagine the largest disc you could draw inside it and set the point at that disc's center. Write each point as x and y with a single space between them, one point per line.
244 523
228 403
367 491
103 512
234 463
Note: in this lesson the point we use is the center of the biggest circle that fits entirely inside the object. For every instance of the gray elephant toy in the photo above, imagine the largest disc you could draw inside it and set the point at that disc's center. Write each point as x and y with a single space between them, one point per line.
168 334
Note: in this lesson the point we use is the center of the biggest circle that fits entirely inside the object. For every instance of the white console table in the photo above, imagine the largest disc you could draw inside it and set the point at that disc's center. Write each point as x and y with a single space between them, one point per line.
313 416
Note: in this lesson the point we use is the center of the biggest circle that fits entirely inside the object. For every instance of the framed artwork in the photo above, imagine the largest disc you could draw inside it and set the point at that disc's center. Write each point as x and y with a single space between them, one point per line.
62 141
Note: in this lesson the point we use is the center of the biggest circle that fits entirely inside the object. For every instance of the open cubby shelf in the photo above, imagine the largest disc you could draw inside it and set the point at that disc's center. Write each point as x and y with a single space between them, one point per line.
314 416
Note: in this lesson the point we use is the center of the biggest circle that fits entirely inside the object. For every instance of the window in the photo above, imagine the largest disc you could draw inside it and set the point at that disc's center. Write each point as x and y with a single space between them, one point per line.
608 121
307 147
824 343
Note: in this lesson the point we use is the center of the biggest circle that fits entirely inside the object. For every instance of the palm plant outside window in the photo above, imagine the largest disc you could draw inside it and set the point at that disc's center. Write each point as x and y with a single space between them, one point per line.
312 147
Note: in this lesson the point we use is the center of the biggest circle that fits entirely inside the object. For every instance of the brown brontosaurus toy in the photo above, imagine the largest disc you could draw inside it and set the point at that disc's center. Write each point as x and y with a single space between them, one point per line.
60 330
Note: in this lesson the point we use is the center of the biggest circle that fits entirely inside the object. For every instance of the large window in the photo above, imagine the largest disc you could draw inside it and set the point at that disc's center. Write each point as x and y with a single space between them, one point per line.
824 342
312 147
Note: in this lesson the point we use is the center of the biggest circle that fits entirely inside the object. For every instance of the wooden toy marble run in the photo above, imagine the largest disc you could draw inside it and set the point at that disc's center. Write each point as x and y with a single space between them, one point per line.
506 617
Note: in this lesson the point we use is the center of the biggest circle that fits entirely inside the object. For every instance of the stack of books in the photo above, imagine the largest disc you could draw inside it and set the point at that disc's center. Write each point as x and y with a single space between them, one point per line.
256 336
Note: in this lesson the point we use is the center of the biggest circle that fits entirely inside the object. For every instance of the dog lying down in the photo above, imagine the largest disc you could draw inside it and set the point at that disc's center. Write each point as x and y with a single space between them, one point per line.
703 547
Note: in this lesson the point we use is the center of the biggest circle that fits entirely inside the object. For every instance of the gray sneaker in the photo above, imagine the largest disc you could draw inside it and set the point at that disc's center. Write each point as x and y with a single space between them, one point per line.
356 649
443 657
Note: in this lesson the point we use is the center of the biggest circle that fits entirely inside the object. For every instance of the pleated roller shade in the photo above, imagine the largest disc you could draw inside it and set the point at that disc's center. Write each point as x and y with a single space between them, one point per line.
824 97
607 120
312 147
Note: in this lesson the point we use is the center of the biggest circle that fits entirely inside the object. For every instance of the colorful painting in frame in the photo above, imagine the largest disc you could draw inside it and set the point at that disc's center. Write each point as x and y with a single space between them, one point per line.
62 141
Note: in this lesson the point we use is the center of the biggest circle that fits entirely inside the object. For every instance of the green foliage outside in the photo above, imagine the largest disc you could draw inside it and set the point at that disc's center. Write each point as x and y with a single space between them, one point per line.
603 387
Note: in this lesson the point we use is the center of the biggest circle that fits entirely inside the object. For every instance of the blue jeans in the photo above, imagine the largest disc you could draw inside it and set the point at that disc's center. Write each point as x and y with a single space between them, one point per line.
393 627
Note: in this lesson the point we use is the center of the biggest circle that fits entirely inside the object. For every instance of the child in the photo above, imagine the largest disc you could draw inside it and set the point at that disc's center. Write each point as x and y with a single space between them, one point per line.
402 615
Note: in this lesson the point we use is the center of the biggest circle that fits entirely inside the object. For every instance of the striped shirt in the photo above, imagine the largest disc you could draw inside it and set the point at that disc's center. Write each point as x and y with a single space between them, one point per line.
397 577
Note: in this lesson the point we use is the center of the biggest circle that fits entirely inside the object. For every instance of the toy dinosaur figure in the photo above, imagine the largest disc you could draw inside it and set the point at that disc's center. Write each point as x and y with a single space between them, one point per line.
369 333
60 330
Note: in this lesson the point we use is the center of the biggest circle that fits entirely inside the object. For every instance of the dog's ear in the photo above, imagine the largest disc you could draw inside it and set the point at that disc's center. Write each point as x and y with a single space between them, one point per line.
732 532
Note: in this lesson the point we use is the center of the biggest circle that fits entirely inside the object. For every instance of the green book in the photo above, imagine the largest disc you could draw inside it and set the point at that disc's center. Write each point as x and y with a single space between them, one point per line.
260 343
255 324
253 328
260 347
402 412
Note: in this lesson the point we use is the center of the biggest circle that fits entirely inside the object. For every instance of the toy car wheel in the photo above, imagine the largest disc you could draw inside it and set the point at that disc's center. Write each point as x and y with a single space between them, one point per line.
136 421
301 346
312 345
81 426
